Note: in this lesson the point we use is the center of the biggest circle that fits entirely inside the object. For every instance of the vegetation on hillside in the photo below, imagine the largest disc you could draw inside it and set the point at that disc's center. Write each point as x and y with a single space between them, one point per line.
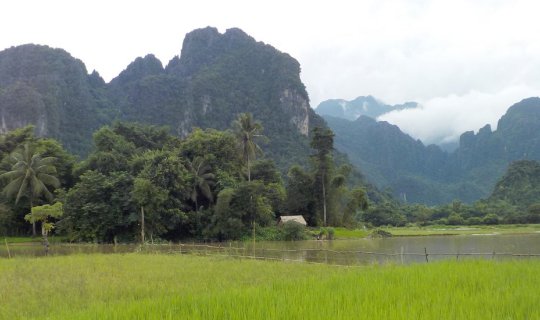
416 173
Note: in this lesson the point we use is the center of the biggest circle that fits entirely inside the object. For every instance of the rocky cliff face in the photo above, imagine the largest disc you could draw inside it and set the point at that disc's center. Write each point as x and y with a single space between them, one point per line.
50 89
21 105
297 105
216 77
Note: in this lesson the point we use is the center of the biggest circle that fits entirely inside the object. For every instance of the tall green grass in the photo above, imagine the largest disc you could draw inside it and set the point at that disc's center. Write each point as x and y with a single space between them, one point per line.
146 286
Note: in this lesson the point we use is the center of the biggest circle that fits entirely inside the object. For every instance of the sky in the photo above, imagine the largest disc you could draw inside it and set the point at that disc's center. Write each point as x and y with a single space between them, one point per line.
464 61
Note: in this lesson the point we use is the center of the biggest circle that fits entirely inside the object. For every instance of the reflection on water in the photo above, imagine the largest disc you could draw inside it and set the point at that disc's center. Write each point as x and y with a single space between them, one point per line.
343 252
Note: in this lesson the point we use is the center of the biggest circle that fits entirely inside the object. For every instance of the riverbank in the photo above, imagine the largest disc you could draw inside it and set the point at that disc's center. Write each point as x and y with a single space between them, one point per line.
156 286
342 233
345 233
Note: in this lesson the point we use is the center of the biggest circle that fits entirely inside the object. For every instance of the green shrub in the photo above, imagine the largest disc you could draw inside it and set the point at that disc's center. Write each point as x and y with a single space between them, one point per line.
455 219
331 233
473 221
379 233
327 233
491 218
292 230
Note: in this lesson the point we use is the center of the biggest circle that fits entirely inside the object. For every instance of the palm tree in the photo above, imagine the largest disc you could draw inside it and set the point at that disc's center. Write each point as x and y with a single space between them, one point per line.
29 176
247 130
203 180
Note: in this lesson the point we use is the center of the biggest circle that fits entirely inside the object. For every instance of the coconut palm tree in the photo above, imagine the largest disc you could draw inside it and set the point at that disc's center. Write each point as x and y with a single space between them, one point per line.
203 180
247 131
29 176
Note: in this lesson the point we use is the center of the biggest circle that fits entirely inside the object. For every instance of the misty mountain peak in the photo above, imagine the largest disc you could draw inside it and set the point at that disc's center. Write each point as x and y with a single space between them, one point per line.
361 106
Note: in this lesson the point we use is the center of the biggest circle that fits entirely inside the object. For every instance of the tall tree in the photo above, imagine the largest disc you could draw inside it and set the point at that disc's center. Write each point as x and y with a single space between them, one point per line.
247 131
203 179
147 195
323 143
29 176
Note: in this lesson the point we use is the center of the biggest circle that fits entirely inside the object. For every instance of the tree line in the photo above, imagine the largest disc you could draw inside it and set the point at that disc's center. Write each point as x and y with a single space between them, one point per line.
142 183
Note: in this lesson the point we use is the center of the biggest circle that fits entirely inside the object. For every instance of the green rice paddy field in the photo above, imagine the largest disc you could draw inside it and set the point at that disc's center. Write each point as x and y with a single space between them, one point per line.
158 286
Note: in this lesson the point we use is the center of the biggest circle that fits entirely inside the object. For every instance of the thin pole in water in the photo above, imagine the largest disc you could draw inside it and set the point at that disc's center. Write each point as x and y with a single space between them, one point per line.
425 251
7 247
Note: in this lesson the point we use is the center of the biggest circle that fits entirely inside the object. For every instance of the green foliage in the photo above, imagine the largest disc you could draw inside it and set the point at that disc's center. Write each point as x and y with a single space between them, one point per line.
534 213
44 212
30 174
456 219
218 149
266 171
11 140
384 214
491 218
293 230
99 208
30 177
237 209
473 221
300 198
247 131
203 179
520 185
379 233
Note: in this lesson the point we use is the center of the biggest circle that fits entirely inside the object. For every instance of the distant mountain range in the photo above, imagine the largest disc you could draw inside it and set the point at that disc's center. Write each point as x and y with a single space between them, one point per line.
217 76
427 174
361 106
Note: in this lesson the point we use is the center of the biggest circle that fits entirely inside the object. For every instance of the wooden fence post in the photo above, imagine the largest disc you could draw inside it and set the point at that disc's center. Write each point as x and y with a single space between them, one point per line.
7 247
425 251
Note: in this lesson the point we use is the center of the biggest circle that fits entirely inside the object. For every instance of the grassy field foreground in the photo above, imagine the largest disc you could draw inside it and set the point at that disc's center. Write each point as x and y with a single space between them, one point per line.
145 286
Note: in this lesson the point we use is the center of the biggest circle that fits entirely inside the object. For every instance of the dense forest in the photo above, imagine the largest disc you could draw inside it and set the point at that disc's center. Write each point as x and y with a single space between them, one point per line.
211 185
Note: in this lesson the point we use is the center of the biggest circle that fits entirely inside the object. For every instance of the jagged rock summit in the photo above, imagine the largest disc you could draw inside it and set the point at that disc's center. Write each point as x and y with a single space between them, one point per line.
216 77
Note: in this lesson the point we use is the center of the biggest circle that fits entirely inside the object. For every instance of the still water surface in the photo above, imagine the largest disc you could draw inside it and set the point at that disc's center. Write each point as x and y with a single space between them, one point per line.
346 252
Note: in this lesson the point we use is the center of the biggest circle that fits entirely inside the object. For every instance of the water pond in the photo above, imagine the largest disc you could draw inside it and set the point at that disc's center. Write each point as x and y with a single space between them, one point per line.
343 252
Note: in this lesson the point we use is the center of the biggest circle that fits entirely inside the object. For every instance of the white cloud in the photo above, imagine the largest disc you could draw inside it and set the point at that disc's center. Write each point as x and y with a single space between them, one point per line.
444 119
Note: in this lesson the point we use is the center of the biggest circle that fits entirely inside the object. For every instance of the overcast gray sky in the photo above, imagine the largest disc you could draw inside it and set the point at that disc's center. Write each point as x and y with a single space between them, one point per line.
466 62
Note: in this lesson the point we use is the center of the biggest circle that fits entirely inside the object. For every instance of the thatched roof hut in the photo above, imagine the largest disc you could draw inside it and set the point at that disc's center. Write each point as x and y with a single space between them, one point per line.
297 219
